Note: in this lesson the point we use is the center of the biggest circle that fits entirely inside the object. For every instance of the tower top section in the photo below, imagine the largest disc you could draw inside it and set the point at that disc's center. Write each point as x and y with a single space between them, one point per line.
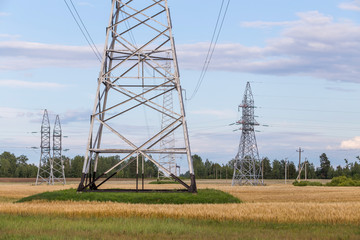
45 121
247 108
138 42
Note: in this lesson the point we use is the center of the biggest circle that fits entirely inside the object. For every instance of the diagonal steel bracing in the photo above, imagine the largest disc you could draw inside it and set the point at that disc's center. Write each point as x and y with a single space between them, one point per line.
139 71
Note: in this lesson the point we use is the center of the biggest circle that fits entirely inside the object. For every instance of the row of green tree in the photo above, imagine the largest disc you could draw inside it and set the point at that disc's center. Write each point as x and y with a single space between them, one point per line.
276 169
18 167
13 166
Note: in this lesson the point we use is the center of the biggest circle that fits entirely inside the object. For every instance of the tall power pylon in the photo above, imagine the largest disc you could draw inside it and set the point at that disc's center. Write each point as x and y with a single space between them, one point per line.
247 167
57 160
45 169
139 60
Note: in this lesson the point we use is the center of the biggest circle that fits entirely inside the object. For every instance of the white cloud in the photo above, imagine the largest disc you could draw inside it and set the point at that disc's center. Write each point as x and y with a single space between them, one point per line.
316 45
81 115
314 17
26 84
223 114
14 117
210 142
19 55
9 36
351 143
263 24
4 14
352 6
86 4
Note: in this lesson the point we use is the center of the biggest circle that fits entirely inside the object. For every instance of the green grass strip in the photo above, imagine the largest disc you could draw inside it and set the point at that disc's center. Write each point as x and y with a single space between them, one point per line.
203 196
50 227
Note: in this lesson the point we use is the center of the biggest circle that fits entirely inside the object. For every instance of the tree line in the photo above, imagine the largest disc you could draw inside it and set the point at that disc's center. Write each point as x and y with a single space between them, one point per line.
276 169
18 167
12 166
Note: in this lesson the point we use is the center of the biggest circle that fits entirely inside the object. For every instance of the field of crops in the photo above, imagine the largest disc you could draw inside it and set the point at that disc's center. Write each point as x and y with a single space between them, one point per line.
272 204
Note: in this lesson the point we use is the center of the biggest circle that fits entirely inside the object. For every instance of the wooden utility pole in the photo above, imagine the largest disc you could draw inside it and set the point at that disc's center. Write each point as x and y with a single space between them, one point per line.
306 162
262 171
285 169
299 151
137 171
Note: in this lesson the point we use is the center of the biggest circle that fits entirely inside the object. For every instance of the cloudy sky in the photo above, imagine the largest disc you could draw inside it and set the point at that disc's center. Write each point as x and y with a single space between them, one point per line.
301 58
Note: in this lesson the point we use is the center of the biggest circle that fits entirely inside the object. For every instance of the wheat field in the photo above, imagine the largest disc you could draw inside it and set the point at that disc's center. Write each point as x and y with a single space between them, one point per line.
272 203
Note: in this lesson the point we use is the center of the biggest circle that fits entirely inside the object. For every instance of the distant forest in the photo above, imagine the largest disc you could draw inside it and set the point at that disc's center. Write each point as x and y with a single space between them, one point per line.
18 167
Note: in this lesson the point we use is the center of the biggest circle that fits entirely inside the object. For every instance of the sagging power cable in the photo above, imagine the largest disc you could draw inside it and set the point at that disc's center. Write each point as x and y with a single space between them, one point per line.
83 29
213 43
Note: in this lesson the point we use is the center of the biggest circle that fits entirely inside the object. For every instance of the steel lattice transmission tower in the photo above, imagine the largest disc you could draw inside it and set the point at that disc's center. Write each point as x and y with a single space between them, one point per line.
247 167
168 161
57 160
134 71
45 170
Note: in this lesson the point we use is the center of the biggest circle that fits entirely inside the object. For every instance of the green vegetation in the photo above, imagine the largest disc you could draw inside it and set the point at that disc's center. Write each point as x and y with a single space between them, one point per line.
306 183
46 227
203 196
343 181
13 166
164 182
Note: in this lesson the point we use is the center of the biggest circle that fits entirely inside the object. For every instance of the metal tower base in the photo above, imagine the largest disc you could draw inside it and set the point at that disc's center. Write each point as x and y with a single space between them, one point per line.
84 186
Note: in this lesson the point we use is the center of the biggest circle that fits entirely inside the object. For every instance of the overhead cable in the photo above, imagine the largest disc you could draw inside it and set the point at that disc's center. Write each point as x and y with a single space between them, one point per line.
213 43
83 30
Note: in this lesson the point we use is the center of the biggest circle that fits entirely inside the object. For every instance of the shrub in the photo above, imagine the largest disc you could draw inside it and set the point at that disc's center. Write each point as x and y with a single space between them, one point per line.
306 183
164 182
343 181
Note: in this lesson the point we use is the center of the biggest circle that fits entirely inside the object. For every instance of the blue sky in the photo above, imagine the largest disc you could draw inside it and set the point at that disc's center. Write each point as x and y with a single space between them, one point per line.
301 58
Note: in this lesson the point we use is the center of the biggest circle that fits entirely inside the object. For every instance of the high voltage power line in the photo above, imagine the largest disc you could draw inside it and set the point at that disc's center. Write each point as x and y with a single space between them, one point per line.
213 43
83 29
215 37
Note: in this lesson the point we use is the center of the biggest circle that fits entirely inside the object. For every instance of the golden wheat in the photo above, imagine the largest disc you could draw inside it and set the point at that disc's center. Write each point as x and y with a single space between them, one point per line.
289 193
274 203
265 212
18 191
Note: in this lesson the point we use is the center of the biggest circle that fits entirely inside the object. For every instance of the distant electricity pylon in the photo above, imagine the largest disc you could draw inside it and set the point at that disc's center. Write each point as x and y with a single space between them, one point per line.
45 170
139 43
57 160
247 167
51 168
168 161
